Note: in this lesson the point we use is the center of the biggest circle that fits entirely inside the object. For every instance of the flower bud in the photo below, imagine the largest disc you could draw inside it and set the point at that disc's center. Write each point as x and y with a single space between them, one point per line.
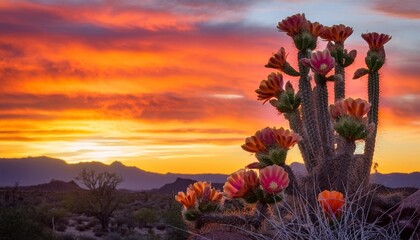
360 73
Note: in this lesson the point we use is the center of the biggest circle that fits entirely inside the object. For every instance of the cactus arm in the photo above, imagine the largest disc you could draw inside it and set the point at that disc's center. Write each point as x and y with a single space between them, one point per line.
308 110
295 122
339 85
321 93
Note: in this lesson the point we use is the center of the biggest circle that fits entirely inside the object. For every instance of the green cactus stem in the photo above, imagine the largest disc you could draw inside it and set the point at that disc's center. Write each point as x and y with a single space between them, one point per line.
345 156
339 85
307 153
308 110
373 94
334 174
321 93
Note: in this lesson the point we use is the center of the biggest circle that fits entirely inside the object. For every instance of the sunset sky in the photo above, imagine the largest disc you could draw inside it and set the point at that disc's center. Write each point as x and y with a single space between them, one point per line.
168 86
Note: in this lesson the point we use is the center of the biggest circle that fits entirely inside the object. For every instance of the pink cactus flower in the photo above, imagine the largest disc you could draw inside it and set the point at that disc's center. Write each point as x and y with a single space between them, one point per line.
321 62
375 40
337 33
236 186
272 87
273 179
286 139
293 25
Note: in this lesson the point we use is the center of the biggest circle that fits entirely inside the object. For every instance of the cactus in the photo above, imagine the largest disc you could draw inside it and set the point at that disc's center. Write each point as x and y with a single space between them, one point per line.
325 134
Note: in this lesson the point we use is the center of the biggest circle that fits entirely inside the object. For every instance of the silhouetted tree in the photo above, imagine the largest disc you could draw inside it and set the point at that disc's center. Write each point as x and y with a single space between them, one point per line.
103 196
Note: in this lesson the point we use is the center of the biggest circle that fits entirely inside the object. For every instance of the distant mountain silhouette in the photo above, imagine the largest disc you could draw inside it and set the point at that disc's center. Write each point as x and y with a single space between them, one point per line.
181 184
55 186
392 180
40 170
397 180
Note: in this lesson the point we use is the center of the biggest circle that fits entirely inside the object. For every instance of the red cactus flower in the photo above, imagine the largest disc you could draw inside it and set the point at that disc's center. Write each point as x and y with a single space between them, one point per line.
271 87
321 62
337 33
375 40
278 60
285 138
293 25
273 179
332 203
236 186
254 145
187 200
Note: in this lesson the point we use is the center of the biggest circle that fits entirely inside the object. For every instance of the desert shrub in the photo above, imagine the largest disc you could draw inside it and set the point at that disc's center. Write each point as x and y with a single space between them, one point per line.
75 203
103 198
145 216
177 229
18 223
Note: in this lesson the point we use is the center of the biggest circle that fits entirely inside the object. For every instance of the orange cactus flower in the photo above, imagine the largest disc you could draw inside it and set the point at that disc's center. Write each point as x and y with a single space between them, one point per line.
187 200
293 25
375 40
278 60
273 179
337 110
254 145
271 87
337 33
315 28
285 138
198 187
356 108
236 186
332 203
211 194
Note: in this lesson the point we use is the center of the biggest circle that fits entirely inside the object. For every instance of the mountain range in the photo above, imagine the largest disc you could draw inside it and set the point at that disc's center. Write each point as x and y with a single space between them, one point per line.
39 170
